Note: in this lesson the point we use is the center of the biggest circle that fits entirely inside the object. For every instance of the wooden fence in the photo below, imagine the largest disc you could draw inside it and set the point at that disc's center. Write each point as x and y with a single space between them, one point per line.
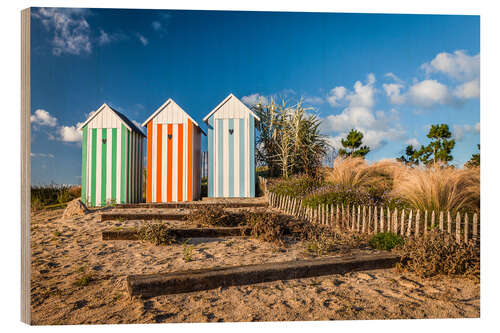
373 219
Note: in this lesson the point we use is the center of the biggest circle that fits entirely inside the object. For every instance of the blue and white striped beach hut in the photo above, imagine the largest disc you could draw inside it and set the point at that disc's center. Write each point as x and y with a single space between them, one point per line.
231 149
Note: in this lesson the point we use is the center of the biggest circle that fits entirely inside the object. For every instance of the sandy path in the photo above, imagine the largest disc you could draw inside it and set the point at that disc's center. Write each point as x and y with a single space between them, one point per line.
65 251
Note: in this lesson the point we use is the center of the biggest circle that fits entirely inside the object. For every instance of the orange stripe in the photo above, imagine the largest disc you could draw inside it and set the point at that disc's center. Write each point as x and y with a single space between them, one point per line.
149 192
190 161
169 162
159 138
180 160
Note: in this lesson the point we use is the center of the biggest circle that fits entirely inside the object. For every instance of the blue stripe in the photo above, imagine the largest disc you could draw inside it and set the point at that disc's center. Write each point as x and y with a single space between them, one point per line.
252 157
211 157
220 158
231 156
242 157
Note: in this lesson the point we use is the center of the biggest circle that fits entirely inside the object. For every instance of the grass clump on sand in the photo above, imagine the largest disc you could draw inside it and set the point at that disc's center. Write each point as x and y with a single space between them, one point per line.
296 186
439 253
215 216
386 241
266 226
84 280
157 233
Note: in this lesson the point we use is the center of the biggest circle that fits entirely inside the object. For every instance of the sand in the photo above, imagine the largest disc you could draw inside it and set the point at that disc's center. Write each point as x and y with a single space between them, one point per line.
66 250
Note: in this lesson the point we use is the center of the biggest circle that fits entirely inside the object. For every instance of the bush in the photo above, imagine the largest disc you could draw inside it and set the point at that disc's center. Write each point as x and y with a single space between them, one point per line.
269 227
215 216
157 233
439 253
296 187
386 241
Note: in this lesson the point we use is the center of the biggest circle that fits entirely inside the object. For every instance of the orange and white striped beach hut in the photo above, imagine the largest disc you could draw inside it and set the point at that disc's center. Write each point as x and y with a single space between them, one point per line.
173 155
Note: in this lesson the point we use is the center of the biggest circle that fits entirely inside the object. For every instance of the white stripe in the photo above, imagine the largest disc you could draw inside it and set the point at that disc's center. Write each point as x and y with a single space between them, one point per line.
118 163
153 164
134 168
109 160
236 155
175 160
164 180
247 155
225 148
185 126
216 159
89 165
98 167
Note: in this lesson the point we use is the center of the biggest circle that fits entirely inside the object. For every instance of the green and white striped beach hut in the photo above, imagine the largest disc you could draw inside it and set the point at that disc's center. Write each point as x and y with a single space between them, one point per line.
112 159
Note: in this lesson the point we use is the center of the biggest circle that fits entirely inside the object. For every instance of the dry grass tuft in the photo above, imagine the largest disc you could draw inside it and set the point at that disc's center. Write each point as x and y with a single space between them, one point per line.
439 253
215 216
157 233
439 189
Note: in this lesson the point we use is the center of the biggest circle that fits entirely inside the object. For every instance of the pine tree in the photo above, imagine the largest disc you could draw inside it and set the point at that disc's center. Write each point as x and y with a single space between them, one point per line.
475 160
353 145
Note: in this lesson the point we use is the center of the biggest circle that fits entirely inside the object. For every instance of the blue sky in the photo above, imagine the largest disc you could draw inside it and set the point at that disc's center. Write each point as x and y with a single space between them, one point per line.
390 76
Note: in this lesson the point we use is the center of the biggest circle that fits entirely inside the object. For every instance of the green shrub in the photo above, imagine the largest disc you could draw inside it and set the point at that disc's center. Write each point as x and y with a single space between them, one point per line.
386 241
84 280
440 253
296 187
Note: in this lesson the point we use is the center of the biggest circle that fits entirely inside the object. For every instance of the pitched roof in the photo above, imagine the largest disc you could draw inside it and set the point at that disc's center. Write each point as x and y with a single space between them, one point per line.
129 124
224 102
164 105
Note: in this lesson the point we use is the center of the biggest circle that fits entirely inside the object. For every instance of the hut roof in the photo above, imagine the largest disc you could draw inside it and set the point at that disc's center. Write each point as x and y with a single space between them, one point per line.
224 102
129 124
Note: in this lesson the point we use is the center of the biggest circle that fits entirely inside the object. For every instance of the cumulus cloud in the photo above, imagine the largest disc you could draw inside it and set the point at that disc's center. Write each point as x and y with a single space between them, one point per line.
144 41
428 93
43 118
393 92
313 100
70 133
254 99
457 65
107 38
460 131
394 77
413 141
335 95
70 28
377 127
468 90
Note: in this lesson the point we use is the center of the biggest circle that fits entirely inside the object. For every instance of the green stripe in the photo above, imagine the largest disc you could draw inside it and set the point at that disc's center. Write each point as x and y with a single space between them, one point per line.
123 165
114 133
84 166
94 166
103 165
128 166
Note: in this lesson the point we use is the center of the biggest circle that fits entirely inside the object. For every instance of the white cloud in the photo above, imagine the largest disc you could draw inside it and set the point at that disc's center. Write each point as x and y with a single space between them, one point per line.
377 127
43 118
143 39
42 155
107 38
468 90
414 142
254 99
335 95
313 100
477 127
460 131
393 91
156 25
71 30
458 65
104 38
394 77
427 93
70 133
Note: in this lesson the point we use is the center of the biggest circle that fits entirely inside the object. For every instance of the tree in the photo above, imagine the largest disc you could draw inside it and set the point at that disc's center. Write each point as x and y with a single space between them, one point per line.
475 160
437 151
353 145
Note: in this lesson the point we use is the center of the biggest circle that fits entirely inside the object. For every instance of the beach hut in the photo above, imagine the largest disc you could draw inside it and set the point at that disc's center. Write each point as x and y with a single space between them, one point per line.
173 155
112 159
231 149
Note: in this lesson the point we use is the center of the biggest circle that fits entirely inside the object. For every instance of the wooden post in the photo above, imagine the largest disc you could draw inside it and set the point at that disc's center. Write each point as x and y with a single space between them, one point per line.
410 217
395 218
358 220
457 227
433 219
474 228
369 219
466 228
342 223
403 222
353 218
381 219
323 213
389 220
375 220
425 224
441 221
337 217
449 223
363 228
417 223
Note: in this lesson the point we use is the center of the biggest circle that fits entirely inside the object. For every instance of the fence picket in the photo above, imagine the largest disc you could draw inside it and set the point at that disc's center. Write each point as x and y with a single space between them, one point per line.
337 217
425 224
457 227
466 228
433 220
441 221
449 223
389 220
417 223
402 223
358 220
363 227
474 228
381 219
410 217
395 218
